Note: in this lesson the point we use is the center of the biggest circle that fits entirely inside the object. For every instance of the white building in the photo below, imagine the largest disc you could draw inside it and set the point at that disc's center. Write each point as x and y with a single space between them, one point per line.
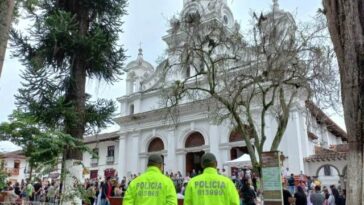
144 128
14 164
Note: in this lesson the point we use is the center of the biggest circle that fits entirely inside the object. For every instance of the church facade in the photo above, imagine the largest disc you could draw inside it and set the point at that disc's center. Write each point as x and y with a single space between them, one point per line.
145 127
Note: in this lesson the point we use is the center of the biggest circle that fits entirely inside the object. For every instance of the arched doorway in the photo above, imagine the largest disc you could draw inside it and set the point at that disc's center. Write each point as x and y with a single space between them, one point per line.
193 158
155 146
237 151
328 175
235 136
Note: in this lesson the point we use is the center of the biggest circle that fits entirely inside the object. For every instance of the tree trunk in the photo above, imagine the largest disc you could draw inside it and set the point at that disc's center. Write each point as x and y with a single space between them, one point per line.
346 25
6 14
76 97
30 172
76 92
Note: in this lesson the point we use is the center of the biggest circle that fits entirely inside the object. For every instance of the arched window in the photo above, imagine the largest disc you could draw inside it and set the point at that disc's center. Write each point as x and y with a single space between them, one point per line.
156 145
131 109
195 139
235 136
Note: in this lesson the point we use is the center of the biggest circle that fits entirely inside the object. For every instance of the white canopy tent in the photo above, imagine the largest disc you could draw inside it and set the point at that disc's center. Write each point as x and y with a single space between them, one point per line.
243 161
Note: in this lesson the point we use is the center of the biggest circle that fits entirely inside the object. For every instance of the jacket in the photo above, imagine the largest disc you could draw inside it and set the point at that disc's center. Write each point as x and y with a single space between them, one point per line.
317 198
151 188
211 188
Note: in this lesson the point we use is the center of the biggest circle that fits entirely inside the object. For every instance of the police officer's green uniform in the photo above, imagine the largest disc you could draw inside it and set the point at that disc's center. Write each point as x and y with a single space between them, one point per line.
151 188
210 188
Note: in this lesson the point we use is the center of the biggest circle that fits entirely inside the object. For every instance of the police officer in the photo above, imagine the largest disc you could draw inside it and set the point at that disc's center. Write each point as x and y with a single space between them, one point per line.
152 187
210 188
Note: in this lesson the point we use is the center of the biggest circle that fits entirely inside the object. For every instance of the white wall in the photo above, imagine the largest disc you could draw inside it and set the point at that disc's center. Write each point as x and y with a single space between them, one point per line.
9 164
102 164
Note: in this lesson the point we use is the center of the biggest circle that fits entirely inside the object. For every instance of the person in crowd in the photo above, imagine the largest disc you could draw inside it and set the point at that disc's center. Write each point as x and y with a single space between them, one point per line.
326 196
291 184
37 190
187 178
344 196
52 192
317 198
224 172
118 191
91 193
300 196
11 197
29 191
287 196
179 175
309 182
248 194
98 192
106 192
337 198
152 187
17 189
179 193
209 187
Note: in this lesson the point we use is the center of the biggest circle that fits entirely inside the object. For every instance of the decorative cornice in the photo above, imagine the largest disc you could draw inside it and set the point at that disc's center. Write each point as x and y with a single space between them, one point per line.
321 117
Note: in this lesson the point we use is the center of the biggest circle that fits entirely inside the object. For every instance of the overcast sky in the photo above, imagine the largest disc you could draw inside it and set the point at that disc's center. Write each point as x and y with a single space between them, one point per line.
147 22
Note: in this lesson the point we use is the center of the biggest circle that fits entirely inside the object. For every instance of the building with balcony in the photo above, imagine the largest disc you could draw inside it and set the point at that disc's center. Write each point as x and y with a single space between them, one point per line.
14 164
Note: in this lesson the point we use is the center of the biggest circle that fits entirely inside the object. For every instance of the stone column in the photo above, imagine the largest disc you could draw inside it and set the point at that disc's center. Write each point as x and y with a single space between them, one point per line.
122 156
214 143
134 155
171 152
181 162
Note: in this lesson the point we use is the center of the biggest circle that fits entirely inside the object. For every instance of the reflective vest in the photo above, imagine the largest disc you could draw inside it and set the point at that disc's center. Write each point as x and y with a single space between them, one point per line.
151 188
210 188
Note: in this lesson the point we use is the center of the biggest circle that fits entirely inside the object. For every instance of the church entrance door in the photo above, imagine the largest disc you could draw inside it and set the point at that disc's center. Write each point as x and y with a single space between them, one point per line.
194 141
193 162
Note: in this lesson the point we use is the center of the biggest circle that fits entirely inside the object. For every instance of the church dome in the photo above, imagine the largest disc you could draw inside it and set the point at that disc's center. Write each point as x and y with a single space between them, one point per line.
207 10
279 25
139 63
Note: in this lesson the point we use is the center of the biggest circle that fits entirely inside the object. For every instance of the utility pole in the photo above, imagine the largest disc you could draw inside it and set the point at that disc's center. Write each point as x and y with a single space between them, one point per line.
6 15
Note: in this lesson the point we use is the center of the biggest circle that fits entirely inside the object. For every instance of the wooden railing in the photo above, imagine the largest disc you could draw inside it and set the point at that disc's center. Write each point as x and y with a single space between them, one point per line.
12 172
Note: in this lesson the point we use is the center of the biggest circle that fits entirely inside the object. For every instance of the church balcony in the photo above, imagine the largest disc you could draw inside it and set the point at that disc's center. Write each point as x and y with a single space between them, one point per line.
94 162
110 160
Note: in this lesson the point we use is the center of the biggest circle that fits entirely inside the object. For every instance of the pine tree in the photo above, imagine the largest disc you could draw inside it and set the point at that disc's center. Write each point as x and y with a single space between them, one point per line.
70 41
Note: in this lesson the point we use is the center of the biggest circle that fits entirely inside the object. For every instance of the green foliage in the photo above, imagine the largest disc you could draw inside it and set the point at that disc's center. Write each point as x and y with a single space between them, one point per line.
69 39
41 145
2 180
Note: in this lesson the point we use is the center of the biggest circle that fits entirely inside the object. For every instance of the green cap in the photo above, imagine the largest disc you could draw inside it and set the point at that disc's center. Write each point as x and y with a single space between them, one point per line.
207 159
155 159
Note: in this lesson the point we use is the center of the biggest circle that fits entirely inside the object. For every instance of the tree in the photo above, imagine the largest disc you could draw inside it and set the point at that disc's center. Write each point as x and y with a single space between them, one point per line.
6 13
246 79
41 146
70 41
346 25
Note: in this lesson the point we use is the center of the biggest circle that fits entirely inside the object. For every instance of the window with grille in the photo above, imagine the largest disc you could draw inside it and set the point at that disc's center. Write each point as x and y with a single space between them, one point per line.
110 151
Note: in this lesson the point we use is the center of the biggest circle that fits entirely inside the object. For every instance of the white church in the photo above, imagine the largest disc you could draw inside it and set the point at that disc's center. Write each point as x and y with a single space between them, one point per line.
312 144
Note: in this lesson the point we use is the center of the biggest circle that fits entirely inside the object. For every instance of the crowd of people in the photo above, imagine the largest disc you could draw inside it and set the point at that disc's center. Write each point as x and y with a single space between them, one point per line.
97 192
311 192
31 193
245 181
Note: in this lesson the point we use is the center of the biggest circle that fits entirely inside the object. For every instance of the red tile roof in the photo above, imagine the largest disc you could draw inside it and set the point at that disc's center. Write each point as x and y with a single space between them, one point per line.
321 117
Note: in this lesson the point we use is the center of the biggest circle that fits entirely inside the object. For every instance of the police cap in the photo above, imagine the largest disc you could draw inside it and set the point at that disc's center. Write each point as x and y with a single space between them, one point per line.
155 159
208 159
